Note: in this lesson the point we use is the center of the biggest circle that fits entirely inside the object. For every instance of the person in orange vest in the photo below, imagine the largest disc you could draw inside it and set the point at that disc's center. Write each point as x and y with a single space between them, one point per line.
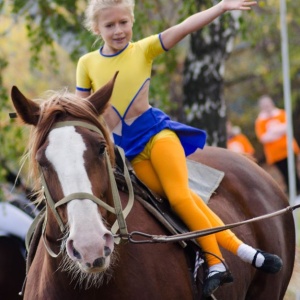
271 131
237 141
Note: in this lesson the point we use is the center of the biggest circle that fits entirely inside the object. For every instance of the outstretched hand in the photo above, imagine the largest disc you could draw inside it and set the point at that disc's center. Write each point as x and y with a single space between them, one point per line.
237 4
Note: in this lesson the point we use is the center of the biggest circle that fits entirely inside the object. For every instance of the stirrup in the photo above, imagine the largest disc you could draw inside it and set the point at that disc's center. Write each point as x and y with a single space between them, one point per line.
213 282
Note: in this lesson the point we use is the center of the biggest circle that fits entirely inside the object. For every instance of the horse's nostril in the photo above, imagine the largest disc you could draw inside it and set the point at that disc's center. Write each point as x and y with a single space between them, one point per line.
76 254
72 250
99 262
107 251
109 242
107 237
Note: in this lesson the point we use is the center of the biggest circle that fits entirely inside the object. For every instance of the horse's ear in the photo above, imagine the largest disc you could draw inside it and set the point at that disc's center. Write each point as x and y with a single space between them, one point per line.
27 110
100 98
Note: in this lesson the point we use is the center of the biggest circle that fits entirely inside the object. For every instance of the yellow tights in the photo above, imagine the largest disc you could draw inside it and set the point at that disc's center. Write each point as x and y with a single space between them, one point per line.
162 167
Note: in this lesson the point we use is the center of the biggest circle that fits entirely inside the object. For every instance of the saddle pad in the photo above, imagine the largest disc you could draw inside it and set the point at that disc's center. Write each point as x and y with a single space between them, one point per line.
203 180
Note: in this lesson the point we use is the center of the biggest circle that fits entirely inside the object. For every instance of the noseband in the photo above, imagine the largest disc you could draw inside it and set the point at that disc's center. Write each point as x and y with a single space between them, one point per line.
117 209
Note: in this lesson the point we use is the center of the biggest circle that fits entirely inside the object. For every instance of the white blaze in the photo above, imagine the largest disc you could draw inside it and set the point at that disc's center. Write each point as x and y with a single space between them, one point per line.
65 152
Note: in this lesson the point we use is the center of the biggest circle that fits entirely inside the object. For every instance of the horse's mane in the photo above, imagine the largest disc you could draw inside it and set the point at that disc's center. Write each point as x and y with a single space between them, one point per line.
60 105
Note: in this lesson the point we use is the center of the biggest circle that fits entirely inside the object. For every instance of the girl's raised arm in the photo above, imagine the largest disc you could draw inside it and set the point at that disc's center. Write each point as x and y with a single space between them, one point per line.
176 33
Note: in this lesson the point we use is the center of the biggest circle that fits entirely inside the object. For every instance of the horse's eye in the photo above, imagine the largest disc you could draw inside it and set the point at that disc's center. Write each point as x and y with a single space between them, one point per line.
102 149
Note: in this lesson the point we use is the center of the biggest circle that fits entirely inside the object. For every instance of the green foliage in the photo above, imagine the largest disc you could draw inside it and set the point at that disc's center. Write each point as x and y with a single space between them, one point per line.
11 136
46 23
3 107
3 91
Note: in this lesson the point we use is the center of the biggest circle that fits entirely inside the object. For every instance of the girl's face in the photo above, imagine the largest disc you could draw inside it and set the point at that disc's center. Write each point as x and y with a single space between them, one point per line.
115 27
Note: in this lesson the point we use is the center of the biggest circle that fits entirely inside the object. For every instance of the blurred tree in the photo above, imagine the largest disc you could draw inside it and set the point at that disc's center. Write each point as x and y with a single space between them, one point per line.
203 73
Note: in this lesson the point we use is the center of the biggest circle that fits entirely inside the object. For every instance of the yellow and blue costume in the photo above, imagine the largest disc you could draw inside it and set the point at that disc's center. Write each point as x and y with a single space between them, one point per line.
134 63
156 145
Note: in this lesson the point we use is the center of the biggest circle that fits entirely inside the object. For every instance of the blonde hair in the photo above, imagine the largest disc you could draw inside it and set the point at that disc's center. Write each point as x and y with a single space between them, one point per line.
95 6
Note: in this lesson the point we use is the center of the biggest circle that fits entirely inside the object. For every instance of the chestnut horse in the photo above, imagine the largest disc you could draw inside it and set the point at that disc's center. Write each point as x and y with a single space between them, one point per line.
77 256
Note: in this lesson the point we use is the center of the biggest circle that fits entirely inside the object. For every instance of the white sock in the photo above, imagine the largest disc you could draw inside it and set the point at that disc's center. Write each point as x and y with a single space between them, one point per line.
216 269
247 253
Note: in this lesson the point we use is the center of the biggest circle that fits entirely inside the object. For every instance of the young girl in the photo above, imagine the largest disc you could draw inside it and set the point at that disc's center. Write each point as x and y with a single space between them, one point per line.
156 146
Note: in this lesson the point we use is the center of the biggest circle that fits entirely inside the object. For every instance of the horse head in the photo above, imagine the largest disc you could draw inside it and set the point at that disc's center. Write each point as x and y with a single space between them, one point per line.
71 153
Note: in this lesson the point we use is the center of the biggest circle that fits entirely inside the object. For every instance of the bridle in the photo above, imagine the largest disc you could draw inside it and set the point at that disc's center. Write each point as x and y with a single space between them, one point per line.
120 223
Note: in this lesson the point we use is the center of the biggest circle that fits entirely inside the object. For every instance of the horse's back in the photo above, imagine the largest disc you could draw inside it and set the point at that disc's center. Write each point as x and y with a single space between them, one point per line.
245 192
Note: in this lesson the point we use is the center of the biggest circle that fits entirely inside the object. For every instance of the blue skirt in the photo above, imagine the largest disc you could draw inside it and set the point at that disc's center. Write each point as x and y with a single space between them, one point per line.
135 136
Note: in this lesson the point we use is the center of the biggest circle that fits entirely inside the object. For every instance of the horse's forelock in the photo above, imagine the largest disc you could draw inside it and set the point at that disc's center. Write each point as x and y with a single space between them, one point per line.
58 107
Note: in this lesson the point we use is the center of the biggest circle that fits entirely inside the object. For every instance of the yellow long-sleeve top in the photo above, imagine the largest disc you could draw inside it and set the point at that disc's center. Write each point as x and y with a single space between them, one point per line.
271 131
134 64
